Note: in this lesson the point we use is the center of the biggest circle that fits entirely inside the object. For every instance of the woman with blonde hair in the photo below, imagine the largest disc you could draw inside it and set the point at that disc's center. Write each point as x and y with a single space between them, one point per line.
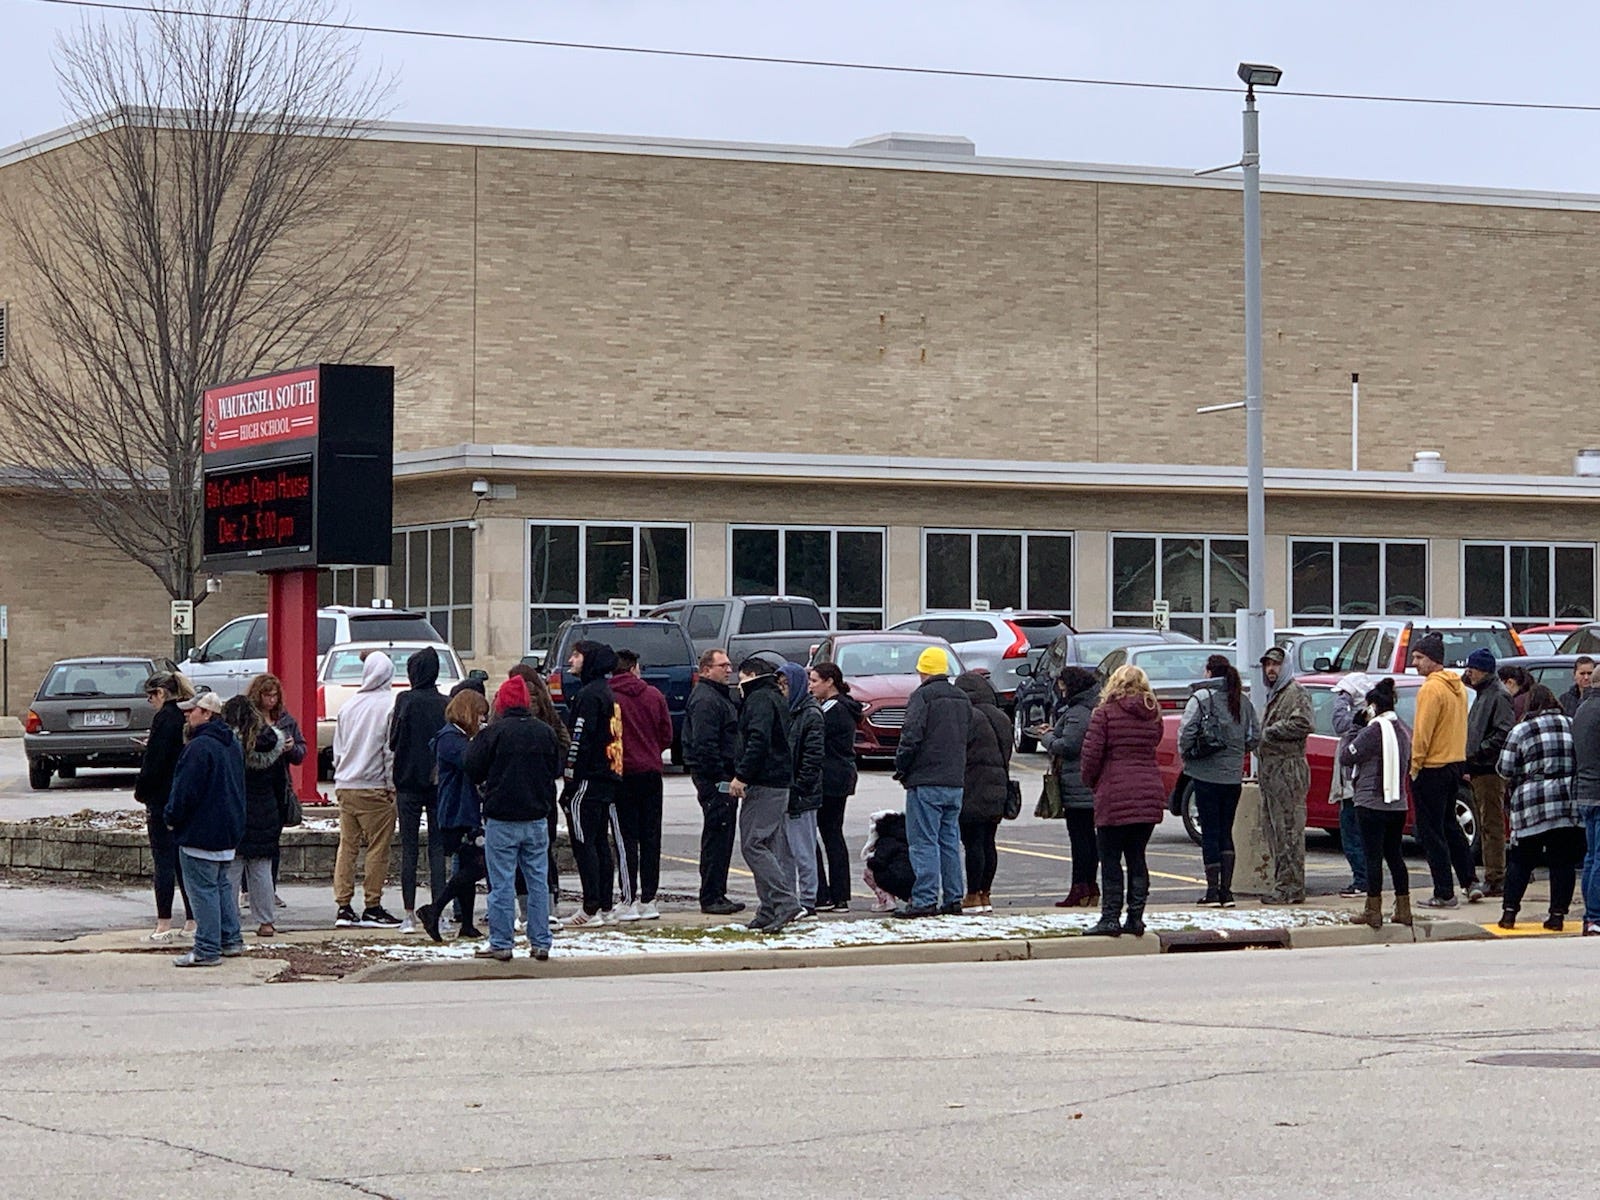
460 811
1119 763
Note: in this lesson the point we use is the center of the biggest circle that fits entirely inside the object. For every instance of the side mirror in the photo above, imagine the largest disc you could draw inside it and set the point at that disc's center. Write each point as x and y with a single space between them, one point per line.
1323 664
194 655
479 674
1025 670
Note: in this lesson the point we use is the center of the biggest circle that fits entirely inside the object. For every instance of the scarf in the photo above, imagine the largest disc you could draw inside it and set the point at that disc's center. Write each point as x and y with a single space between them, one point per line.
1391 759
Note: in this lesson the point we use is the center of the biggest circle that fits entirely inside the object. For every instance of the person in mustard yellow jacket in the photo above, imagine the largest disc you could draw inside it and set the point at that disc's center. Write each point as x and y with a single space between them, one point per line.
1438 751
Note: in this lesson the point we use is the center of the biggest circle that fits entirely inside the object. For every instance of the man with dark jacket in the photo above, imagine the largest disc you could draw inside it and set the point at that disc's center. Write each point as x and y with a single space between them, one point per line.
762 776
205 812
1489 723
710 734
594 767
646 736
806 739
1582 673
1586 794
516 762
931 763
418 716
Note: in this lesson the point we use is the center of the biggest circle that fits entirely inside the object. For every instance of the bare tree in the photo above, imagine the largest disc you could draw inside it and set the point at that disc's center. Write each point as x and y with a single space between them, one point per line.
205 227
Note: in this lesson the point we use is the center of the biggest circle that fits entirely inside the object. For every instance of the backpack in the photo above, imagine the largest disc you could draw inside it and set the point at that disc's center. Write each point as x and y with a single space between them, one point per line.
1206 737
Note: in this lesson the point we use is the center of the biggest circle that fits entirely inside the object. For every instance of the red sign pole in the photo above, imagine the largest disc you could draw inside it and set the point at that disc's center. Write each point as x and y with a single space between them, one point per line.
292 657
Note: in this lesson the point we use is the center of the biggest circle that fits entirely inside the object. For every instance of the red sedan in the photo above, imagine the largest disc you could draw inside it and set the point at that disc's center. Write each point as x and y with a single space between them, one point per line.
881 669
1320 749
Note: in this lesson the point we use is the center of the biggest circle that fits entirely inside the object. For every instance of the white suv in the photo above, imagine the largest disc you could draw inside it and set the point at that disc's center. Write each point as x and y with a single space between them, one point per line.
996 641
235 654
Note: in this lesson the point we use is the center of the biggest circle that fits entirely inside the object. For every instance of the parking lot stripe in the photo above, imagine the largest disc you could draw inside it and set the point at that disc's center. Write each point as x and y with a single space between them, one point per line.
1064 858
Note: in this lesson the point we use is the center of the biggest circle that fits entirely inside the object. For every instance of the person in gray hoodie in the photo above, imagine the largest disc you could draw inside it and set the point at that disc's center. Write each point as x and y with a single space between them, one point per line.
1217 729
806 743
363 781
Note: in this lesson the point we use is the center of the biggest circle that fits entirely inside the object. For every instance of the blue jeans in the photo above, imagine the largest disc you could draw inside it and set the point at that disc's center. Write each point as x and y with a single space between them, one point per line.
933 827
1355 853
506 846
216 906
1591 866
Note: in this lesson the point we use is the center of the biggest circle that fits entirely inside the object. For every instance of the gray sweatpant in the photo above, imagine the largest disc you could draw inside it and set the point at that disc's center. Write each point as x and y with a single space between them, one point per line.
802 836
262 897
764 842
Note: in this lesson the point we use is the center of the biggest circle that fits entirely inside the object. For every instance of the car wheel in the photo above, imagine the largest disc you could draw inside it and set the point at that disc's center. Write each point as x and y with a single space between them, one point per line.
39 776
1024 743
1190 811
67 772
1467 819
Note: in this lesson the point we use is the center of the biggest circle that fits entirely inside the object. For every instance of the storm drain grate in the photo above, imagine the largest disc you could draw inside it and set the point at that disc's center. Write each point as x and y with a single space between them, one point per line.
1560 1059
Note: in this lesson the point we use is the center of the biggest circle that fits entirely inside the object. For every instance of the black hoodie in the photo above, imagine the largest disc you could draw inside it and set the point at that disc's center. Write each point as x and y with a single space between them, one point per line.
840 715
595 756
764 755
418 715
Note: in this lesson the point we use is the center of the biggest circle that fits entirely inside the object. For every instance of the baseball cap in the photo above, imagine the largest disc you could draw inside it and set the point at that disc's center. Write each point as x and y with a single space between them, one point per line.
210 701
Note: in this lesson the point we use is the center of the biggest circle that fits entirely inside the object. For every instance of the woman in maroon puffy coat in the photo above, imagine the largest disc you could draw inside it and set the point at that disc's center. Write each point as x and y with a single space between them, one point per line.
1119 763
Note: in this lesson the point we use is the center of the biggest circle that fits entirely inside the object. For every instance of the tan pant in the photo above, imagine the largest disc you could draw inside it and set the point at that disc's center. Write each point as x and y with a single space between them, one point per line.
1489 808
366 816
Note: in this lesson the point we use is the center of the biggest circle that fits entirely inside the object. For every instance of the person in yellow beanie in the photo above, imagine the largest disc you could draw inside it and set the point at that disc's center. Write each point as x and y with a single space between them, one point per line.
931 762
1438 750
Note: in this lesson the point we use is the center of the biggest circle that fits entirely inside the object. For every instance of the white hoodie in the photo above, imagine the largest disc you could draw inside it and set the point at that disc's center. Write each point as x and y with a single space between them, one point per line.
361 754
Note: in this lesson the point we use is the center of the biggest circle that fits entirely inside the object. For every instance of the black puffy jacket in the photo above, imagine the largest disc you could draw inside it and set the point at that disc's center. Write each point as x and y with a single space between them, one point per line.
764 756
840 716
989 742
266 776
161 752
1064 745
418 714
933 743
806 732
515 761
710 731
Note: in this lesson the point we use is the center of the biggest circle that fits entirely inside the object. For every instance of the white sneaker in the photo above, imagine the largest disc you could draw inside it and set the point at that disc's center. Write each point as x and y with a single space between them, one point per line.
628 912
519 925
409 925
583 920
609 914
648 911
555 921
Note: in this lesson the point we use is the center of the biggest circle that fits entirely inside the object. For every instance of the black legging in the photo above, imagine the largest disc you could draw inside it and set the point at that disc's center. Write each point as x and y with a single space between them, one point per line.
1119 844
1380 841
165 875
1218 803
977 835
833 856
462 886
1561 851
1085 847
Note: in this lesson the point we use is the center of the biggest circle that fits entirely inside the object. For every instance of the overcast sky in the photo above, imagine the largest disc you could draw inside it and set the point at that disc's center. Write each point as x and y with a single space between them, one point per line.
1538 50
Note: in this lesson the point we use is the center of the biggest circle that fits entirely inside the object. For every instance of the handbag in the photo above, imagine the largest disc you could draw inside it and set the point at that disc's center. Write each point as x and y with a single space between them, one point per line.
1207 738
1049 806
1013 808
289 808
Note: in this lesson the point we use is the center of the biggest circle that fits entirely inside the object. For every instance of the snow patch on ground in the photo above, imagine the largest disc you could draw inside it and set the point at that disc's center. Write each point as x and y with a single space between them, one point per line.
820 935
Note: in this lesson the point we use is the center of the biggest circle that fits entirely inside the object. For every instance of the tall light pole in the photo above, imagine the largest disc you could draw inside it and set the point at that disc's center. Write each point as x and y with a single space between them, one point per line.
1255 637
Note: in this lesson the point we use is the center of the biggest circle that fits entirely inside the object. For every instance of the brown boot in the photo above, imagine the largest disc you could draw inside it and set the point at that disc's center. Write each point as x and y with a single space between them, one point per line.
1373 915
1091 897
988 905
1402 910
970 902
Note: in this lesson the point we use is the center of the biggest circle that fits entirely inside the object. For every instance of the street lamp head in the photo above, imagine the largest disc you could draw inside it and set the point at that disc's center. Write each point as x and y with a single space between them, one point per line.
1256 75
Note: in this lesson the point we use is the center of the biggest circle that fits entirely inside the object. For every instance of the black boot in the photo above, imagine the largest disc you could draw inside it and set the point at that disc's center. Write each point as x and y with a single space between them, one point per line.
1225 890
1138 893
1213 896
1109 924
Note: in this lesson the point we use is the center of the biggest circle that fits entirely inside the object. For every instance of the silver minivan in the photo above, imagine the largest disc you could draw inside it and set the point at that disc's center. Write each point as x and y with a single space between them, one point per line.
235 654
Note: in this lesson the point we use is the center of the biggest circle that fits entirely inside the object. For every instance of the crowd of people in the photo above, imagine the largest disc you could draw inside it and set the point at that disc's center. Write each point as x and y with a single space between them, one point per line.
772 760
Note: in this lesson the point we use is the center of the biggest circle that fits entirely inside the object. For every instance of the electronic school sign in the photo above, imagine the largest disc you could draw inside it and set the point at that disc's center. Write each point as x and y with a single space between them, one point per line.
298 469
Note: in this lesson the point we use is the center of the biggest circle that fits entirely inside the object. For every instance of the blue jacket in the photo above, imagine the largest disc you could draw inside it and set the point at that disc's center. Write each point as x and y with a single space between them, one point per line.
206 808
459 805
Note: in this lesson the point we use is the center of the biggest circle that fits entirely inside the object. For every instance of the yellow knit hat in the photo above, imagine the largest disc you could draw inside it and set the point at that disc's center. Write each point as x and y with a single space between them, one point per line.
933 661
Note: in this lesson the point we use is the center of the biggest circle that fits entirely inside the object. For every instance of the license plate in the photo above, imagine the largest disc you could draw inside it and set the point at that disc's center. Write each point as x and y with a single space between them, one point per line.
99 720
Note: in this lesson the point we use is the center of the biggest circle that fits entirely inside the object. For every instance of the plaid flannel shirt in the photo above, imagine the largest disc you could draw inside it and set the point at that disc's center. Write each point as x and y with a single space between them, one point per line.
1538 763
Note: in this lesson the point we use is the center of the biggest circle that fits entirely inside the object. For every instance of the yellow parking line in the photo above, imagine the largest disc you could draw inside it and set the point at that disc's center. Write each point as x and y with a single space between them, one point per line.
1147 853
1065 859
695 862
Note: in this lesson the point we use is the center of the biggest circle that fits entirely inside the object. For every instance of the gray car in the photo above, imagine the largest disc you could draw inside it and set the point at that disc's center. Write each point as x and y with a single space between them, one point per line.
997 641
1171 668
89 712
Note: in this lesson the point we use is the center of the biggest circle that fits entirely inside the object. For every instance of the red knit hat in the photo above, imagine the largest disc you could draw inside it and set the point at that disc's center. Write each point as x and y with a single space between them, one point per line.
513 693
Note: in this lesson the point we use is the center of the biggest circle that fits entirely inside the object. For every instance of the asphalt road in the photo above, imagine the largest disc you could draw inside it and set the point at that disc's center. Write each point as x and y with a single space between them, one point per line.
1350 1072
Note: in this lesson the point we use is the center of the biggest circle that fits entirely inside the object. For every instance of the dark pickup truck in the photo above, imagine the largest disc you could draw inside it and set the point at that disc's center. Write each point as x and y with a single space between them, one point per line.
666 660
742 625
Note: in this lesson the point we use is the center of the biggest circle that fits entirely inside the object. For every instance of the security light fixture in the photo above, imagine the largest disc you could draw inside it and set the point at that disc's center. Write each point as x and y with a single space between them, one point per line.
1257 75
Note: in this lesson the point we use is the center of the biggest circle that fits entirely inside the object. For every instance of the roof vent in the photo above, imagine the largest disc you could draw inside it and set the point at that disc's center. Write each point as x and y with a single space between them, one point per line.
1586 463
1427 462
943 144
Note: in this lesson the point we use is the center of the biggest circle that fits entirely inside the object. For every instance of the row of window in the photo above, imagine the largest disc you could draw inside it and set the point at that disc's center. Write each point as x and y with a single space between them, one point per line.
578 569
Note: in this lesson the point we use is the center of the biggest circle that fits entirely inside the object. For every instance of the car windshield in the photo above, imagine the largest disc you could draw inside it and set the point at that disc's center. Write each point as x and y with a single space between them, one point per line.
1092 648
345 663
1172 664
1307 650
1458 643
659 645
120 679
885 658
